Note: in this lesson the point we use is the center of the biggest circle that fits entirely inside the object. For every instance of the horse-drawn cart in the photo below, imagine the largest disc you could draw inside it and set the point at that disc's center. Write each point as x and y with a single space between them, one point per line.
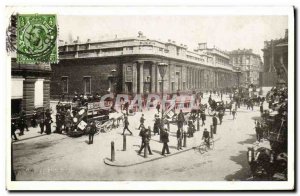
218 106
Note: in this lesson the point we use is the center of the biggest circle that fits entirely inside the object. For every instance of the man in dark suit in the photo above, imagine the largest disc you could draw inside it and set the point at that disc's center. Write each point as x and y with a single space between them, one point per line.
165 140
203 117
48 122
220 115
126 107
215 123
126 124
179 135
261 108
92 132
145 134
42 123
13 130
180 120
142 121
58 123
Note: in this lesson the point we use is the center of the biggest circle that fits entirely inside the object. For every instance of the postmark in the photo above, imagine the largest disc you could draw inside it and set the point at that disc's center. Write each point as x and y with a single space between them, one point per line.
36 38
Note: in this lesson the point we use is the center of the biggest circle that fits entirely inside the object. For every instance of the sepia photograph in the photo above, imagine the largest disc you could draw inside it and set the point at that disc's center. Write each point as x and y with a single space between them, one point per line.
150 95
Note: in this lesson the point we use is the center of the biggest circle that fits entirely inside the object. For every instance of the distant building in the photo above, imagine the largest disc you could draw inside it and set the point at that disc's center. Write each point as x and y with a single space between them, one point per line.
220 59
275 61
130 65
30 87
248 64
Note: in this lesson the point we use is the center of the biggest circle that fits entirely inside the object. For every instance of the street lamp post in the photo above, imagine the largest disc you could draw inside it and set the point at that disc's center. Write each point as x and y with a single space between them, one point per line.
162 67
113 90
113 72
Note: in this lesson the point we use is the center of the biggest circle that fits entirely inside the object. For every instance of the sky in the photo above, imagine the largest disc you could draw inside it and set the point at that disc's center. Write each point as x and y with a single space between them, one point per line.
225 32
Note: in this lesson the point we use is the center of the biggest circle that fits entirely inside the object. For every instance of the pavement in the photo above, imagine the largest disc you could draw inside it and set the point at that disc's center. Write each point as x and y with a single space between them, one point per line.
59 157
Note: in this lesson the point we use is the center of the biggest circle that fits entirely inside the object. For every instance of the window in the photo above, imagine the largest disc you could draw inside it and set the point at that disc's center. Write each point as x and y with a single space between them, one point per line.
129 67
64 84
87 84
248 60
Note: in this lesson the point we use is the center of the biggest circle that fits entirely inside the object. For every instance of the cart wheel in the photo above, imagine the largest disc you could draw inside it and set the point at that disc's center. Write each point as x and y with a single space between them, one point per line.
202 148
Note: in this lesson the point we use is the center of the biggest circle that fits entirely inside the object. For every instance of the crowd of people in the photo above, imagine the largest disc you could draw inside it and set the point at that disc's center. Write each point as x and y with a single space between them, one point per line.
64 119
42 119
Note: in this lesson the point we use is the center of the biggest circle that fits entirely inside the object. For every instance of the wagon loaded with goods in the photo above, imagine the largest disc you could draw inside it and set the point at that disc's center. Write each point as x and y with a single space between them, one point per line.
83 115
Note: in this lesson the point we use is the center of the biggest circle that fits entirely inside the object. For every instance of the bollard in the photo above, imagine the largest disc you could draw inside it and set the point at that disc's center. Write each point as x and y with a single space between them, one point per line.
113 151
146 149
124 142
184 139
198 125
211 131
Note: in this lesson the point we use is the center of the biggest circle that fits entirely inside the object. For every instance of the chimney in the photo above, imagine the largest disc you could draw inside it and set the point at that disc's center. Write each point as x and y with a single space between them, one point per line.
140 34
169 41
77 39
202 45
88 40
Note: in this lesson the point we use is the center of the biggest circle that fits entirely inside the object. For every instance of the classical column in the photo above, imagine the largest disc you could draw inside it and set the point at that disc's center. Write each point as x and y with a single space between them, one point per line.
169 77
196 78
193 78
199 78
188 77
141 72
124 88
134 78
153 78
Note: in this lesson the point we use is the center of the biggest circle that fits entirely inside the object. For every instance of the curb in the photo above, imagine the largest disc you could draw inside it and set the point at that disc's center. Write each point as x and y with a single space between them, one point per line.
34 137
115 164
108 162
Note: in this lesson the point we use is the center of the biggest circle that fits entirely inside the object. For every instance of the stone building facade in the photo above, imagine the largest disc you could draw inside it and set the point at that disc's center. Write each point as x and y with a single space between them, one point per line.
275 61
130 65
30 87
248 64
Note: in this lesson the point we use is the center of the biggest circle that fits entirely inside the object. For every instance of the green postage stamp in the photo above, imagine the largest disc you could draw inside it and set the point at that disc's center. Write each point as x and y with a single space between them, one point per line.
36 38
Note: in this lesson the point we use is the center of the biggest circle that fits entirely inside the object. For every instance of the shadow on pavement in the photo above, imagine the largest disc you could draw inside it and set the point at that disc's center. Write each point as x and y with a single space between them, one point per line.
250 140
244 173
